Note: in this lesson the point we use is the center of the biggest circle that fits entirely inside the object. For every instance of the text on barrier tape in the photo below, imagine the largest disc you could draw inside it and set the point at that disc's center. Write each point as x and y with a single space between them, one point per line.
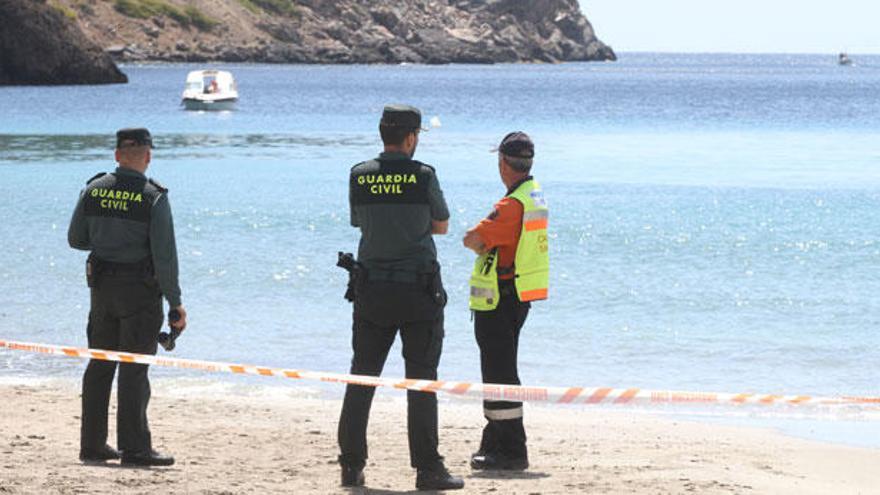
486 391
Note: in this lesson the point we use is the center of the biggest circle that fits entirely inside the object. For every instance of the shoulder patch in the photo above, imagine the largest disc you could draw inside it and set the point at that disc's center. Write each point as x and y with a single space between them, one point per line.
96 177
158 186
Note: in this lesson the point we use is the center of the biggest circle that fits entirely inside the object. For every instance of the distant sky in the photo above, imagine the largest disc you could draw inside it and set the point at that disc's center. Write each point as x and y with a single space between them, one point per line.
750 26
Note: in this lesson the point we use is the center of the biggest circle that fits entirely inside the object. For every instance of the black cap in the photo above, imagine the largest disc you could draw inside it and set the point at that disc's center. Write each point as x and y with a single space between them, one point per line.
517 144
402 116
126 138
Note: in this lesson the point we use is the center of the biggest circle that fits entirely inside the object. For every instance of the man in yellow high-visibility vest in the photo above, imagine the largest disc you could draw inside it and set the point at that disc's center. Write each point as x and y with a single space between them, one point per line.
511 270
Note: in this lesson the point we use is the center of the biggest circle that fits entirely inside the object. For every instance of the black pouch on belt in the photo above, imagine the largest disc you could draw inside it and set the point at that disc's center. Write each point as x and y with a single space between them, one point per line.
91 272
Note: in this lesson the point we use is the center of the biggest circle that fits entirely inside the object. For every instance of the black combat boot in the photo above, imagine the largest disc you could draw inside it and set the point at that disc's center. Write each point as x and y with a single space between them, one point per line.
151 458
102 454
498 462
437 479
352 476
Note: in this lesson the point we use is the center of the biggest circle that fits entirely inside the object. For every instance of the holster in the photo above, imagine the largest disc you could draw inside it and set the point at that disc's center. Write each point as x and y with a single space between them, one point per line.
351 288
355 274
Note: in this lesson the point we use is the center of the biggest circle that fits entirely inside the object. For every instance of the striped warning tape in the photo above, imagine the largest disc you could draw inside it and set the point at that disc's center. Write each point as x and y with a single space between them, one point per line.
487 391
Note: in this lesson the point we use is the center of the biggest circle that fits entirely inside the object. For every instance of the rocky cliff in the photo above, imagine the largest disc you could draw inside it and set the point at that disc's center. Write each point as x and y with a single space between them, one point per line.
343 31
39 44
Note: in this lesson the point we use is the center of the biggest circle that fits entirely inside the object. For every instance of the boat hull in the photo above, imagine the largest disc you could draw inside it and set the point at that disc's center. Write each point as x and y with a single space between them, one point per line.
209 105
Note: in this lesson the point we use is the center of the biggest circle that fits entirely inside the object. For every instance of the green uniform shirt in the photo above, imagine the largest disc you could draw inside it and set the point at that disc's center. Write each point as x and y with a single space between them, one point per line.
393 200
124 218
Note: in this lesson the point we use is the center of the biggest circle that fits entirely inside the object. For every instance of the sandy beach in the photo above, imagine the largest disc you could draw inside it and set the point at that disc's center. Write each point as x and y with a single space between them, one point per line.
255 445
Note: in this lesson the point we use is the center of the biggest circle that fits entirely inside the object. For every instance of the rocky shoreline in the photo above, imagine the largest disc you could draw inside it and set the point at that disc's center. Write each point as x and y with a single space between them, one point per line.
341 32
40 45
76 41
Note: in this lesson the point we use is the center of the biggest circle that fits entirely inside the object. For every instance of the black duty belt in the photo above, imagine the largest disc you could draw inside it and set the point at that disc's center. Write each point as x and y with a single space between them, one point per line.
104 267
397 276
416 276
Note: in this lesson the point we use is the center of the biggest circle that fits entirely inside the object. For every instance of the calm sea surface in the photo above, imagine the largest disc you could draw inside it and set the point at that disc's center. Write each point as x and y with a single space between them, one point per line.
715 219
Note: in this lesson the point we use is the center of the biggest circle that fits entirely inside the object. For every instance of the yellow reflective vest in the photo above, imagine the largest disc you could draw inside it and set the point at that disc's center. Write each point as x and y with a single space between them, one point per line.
532 263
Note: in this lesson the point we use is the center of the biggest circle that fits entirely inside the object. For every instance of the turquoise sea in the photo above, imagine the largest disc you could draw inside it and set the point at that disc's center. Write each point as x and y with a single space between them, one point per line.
715 219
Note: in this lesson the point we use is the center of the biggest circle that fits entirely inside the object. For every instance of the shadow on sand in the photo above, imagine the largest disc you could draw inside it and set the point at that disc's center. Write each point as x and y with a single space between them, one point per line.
494 475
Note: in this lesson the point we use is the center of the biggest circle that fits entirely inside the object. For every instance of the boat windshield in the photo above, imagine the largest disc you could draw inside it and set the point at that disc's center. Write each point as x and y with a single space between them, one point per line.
210 82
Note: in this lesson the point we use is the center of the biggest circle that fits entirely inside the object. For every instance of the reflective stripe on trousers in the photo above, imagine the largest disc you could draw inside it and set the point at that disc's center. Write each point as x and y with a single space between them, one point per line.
503 414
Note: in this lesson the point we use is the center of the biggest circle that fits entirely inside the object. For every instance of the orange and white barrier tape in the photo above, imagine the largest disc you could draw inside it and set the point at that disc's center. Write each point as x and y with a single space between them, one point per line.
486 391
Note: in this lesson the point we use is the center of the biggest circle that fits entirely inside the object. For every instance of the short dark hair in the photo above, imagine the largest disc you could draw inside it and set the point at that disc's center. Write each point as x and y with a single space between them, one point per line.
394 135
518 163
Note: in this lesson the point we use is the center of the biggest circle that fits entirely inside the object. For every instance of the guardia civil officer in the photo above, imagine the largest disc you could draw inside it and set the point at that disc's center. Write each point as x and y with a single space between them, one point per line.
397 204
124 219
510 272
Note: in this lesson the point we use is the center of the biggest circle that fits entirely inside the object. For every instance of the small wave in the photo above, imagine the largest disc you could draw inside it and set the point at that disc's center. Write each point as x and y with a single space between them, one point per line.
91 147
245 387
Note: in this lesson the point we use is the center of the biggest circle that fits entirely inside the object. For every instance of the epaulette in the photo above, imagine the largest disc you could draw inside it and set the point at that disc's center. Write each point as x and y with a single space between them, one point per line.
424 165
96 177
158 186
356 165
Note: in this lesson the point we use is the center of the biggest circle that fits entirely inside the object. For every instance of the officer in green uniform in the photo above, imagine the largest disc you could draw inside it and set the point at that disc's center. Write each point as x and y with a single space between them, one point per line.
124 220
397 204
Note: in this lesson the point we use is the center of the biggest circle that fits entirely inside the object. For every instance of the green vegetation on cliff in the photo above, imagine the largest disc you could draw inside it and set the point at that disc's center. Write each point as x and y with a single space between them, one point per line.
186 16
283 7
66 12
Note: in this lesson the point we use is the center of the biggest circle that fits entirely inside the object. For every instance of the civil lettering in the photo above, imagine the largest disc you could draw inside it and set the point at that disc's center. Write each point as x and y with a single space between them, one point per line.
386 189
112 204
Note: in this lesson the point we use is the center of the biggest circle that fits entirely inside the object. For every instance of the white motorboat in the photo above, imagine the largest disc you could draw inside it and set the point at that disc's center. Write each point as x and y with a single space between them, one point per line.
210 90
843 59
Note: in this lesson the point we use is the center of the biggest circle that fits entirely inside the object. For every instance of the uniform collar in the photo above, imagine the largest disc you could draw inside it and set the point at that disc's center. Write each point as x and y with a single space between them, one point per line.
518 183
129 172
394 155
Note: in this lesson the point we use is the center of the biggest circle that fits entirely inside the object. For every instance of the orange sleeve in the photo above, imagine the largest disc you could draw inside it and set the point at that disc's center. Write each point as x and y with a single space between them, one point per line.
503 226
